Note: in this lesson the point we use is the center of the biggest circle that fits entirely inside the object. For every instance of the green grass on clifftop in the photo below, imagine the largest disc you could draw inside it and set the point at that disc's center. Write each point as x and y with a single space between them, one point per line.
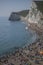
39 5
22 13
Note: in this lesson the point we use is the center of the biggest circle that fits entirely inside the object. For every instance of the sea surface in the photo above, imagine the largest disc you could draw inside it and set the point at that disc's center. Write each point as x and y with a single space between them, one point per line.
14 35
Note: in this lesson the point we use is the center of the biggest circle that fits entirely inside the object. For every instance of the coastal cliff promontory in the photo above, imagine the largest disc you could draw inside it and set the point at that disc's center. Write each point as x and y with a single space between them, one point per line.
15 16
35 14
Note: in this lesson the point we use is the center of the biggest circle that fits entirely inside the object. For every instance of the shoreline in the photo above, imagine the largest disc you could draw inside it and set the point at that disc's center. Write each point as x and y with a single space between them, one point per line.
27 55
15 48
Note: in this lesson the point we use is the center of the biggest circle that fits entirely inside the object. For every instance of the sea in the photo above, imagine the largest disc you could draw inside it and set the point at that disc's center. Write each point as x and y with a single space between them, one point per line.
14 34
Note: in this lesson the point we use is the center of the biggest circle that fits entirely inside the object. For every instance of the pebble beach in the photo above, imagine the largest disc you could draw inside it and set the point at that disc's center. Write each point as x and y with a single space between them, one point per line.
31 54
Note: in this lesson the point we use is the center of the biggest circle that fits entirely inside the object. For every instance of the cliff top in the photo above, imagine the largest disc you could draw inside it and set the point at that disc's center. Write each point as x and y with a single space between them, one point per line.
39 5
22 13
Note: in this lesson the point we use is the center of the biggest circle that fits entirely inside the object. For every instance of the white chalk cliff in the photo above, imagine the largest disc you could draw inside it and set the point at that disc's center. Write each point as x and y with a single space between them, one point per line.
34 15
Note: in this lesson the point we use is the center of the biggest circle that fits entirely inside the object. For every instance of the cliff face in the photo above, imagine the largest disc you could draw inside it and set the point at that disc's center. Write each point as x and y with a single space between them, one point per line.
34 15
16 16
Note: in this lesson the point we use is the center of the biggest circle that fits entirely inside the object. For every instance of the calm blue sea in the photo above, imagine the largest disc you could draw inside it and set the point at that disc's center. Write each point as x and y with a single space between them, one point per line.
14 34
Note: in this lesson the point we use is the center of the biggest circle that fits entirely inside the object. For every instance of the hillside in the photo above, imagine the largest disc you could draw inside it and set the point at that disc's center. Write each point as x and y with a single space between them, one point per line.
39 5
15 16
23 13
36 12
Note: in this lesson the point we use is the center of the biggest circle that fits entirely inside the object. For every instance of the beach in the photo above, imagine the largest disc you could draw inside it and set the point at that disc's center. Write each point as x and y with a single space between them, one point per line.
21 32
31 54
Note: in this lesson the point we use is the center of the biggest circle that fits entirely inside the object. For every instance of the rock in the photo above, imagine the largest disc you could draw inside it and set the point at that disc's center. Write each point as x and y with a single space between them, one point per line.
14 17
37 62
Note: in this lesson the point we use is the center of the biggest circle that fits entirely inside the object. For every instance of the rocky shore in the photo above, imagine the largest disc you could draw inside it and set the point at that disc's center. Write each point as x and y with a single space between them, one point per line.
29 55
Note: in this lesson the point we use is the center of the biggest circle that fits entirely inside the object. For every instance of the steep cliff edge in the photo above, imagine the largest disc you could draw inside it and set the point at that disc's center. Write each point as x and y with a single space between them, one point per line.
36 12
15 16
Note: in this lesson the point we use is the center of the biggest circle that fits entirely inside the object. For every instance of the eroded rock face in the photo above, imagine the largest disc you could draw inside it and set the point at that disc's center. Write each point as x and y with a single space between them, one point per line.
14 17
34 15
